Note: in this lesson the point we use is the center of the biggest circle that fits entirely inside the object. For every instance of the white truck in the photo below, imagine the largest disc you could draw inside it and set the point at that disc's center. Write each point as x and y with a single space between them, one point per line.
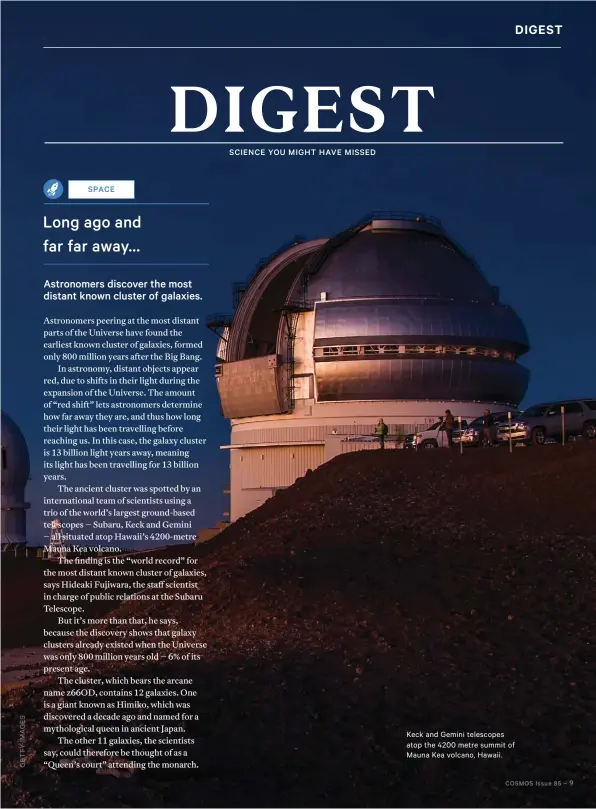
433 437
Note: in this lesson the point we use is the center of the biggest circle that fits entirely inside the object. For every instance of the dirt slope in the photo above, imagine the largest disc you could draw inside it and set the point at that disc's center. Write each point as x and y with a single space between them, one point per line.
385 593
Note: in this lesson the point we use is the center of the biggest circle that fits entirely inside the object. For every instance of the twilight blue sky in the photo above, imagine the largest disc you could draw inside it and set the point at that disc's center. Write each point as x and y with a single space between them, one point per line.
526 213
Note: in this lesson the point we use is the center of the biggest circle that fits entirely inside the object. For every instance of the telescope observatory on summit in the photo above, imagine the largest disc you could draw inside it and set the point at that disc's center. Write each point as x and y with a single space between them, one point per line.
390 318
15 474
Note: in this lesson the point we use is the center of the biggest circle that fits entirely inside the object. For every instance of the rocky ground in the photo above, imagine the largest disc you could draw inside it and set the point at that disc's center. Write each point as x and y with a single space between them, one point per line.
385 592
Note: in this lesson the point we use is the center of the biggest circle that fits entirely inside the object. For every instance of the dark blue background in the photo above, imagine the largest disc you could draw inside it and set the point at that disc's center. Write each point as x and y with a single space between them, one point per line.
525 212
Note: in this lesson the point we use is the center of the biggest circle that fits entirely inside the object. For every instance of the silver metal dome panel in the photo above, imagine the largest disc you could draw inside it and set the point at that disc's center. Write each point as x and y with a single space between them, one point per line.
417 321
456 379
406 262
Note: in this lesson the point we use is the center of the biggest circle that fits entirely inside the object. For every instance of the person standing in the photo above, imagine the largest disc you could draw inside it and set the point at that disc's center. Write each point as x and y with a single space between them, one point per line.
449 425
488 429
381 432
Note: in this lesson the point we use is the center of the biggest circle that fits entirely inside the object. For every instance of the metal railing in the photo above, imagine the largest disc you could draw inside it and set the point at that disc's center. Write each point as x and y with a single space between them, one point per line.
218 320
413 349
308 303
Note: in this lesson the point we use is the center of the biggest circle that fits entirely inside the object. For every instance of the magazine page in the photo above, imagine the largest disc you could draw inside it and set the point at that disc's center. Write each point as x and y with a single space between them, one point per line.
298 404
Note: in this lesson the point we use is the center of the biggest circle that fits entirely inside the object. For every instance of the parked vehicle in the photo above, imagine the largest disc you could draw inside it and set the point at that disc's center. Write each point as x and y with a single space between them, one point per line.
539 423
472 435
410 441
431 438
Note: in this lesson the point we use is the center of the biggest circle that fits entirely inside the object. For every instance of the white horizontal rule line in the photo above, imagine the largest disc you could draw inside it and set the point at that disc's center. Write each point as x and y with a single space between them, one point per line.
319 1
328 144
299 47
322 1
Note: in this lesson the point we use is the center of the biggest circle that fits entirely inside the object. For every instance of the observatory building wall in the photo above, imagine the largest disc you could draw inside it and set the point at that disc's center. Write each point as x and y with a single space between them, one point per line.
267 454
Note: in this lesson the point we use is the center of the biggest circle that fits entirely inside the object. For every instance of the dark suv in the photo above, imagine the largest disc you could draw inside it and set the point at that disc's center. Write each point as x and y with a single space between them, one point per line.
541 422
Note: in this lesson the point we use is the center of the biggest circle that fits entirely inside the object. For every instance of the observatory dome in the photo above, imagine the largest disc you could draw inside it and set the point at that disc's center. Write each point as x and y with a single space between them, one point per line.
15 457
15 474
390 317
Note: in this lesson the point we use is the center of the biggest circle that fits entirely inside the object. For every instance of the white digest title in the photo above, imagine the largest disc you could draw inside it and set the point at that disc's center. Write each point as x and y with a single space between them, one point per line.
192 103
